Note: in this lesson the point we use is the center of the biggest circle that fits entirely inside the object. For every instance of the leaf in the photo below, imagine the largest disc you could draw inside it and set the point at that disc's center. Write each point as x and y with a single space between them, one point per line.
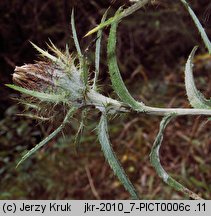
40 95
120 15
155 161
196 99
28 105
75 38
116 79
80 131
111 157
48 138
133 8
45 53
97 52
36 117
58 53
199 26
108 22
83 65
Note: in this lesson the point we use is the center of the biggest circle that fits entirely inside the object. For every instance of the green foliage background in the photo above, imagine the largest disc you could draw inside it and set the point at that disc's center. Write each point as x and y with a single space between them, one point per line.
153 45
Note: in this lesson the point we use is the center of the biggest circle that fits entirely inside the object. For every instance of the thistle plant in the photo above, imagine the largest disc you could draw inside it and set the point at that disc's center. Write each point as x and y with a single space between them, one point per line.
61 78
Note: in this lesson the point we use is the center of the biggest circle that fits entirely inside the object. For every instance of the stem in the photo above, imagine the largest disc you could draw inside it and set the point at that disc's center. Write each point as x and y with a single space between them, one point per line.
100 102
177 111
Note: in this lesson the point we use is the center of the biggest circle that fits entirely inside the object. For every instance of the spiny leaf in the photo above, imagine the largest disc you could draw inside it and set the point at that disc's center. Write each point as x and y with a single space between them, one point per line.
45 53
28 105
79 133
40 95
31 105
133 8
97 52
195 97
48 138
75 38
67 52
83 65
104 24
116 79
119 16
29 115
85 71
58 53
199 26
155 161
111 157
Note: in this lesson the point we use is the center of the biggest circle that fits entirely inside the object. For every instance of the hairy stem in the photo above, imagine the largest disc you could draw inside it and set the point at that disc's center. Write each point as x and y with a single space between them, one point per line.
100 102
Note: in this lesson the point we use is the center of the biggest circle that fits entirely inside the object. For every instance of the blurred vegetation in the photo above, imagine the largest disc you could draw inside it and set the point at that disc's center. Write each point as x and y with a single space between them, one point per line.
153 45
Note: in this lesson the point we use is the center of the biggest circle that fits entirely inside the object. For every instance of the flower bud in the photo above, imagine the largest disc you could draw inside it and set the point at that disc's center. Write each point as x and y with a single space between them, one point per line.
53 79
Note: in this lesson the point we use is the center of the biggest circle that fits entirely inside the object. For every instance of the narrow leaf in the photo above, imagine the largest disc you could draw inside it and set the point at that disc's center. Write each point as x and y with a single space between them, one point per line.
75 38
80 131
58 53
29 115
155 161
119 16
48 138
195 97
199 26
104 24
28 105
83 65
45 53
111 157
97 53
40 95
116 79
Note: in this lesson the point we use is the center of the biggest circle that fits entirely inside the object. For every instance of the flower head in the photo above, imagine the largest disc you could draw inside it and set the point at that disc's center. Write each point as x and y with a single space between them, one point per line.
57 77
